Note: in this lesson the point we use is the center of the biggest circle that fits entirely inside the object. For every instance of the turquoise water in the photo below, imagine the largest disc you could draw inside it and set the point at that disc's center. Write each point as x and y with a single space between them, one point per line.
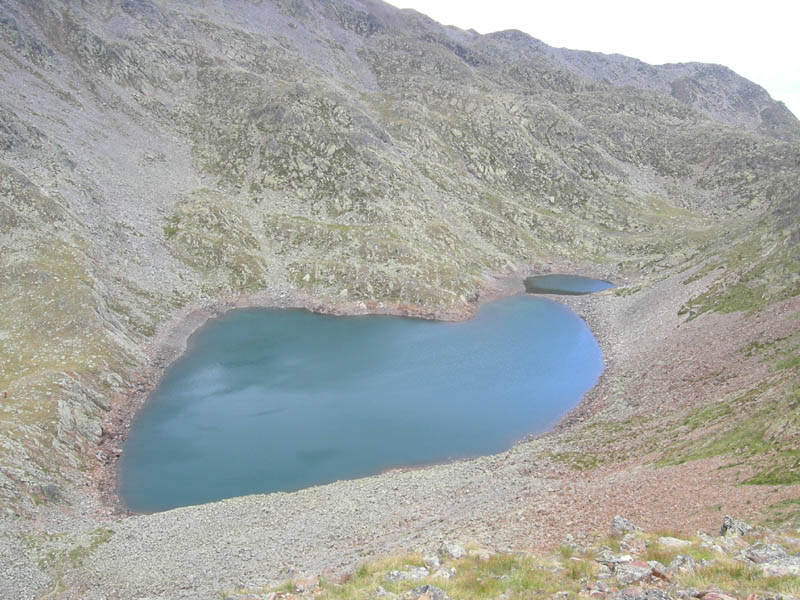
565 284
269 400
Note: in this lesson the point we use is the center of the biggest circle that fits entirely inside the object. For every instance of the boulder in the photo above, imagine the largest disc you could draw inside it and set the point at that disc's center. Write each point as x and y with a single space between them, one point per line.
760 553
604 572
452 550
733 527
782 567
672 542
426 592
684 564
659 570
409 574
444 573
633 572
632 544
621 526
611 560
640 594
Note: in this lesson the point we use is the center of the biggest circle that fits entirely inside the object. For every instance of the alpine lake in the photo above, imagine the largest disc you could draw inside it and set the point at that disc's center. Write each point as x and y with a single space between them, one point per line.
268 400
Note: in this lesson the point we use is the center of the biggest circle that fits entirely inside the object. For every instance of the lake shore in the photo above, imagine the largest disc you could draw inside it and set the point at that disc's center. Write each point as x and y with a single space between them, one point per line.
174 335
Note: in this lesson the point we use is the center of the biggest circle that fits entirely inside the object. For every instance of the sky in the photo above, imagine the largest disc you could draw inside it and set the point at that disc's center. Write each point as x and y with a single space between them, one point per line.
759 40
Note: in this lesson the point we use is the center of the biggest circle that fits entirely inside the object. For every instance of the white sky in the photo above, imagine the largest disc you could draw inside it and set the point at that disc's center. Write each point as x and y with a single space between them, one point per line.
759 40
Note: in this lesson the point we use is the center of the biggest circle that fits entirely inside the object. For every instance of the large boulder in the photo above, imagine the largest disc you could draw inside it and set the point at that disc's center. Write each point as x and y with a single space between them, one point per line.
733 527
683 564
782 567
632 572
672 542
760 553
452 550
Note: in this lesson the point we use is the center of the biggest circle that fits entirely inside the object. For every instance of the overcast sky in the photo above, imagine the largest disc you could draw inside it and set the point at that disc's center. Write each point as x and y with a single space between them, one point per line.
758 39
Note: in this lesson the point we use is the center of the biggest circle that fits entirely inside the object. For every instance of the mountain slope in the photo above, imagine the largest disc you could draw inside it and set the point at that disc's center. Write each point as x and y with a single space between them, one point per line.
160 157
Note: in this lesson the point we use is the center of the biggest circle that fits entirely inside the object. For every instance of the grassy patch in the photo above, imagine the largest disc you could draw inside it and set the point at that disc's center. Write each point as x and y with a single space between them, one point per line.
756 271
740 579
523 575
171 228
786 512
785 472
791 362
80 552
760 427
581 461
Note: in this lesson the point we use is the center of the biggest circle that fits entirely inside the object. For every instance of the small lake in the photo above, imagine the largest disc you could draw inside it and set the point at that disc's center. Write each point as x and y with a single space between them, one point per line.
565 284
278 400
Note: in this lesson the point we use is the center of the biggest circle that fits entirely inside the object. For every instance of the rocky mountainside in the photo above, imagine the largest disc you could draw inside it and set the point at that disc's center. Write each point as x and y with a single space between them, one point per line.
158 157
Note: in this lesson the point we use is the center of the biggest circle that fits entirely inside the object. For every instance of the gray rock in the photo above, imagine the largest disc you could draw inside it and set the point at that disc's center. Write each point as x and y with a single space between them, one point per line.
604 572
763 553
683 563
671 542
633 572
659 570
621 526
481 554
705 539
632 544
452 550
426 592
51 492
611 560
782 567
445 573
733 527
641 594
409 574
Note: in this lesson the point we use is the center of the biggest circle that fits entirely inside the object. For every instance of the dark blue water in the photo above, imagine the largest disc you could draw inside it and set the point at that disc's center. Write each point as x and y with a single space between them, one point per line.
268 400
565 284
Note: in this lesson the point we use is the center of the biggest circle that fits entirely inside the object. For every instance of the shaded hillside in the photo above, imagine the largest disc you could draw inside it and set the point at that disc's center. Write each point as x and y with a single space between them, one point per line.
157 155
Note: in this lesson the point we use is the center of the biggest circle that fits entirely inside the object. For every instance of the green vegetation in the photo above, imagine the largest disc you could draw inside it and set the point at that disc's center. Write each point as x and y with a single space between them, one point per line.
523 575
740 579
580 461
757 270
785 512
745 427
97 537
476 579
